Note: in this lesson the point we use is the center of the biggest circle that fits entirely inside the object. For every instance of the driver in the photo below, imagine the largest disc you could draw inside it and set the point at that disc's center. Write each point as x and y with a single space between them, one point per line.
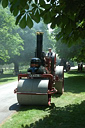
35 67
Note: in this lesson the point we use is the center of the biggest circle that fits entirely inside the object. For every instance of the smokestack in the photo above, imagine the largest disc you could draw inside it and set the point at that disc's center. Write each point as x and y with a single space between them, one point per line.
39 44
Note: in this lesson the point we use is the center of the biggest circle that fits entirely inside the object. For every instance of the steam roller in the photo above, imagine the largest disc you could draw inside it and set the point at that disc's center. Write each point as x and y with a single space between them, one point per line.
43 78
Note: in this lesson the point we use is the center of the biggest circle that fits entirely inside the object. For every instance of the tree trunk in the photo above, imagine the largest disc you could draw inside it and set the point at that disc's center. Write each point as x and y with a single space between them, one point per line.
16 68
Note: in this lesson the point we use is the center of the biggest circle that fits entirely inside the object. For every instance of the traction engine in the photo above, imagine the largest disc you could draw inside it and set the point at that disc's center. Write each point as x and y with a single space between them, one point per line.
42 79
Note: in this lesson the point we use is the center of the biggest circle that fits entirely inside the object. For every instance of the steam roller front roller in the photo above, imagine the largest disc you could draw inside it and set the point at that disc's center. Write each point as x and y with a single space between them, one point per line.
32 91
59 84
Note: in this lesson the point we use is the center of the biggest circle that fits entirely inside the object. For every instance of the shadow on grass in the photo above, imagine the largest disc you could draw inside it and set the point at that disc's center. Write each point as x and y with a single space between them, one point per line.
18 107
74 84
76 72
6 77
71 116
6 80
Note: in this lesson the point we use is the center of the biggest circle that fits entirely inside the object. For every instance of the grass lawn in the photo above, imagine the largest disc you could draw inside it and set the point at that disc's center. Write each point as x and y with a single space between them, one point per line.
7 78
66 111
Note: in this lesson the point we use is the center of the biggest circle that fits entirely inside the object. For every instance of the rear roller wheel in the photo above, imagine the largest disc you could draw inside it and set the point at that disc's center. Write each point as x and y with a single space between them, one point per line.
59 85
53 63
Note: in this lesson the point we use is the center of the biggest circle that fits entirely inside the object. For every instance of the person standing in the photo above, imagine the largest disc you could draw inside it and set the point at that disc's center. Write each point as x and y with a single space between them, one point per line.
50 53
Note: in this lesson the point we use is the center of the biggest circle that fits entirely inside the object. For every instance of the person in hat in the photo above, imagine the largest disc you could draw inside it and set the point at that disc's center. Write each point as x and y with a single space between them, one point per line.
50 53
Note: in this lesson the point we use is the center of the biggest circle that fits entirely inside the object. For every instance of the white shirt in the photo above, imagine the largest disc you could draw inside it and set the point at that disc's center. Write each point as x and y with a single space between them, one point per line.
50 54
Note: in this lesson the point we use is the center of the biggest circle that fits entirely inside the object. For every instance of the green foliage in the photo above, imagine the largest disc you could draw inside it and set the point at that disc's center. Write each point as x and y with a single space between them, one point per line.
19 45
4 3
75 52
69 15
36 16
29 22
22 23
10 41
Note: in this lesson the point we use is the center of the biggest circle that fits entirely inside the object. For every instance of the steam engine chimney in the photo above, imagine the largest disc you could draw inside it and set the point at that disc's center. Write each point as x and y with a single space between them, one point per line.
39 44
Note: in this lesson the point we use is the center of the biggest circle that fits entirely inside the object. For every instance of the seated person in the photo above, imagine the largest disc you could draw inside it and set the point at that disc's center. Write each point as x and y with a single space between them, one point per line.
35 67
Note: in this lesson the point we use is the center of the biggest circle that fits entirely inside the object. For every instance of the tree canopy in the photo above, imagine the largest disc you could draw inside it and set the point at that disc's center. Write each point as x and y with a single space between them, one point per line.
75 52
10 42
18 45
66 14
